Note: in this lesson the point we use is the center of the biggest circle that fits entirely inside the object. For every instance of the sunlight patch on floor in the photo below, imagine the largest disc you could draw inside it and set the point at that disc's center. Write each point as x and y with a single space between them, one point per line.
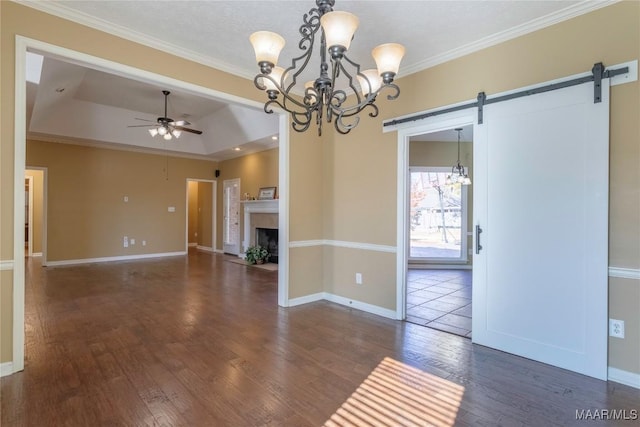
395 394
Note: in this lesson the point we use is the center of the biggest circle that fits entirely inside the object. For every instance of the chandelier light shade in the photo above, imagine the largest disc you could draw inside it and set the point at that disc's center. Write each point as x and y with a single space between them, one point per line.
267 46
341 91
339 28
458 172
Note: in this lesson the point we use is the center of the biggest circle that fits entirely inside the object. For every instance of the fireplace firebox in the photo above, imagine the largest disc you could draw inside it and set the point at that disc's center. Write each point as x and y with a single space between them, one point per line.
268 238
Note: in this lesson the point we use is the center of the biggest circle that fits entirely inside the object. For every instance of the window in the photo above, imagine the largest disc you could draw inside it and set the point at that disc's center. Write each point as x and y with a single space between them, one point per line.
437 217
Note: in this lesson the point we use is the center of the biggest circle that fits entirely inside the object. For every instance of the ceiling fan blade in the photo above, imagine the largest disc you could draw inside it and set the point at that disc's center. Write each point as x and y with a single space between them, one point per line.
197 132
181 123
144 120
140 126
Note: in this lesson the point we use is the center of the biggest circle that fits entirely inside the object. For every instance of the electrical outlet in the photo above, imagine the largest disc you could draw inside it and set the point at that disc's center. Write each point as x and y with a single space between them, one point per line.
125 242
358 278
132 241
144 243
616 328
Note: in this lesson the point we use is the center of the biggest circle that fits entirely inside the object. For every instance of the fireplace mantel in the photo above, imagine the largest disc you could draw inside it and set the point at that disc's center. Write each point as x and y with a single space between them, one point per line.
256 206
261 206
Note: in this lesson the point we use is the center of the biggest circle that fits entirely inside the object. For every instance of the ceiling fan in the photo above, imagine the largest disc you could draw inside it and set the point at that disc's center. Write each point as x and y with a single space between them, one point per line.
167 127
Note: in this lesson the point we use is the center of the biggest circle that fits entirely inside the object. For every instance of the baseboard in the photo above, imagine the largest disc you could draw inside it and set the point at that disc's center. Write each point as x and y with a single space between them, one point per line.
218 251
113 258
6 368
424 266
306 299
624 377
359 305
204 248
36 254
192 245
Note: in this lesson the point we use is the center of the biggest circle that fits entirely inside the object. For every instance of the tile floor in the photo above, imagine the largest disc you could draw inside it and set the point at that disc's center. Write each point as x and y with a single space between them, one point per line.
440 299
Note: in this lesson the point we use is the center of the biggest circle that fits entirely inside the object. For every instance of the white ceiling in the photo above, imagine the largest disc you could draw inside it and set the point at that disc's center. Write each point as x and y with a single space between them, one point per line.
217 33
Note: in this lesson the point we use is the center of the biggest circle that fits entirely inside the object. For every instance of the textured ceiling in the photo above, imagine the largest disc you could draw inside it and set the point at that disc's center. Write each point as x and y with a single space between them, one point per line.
216 33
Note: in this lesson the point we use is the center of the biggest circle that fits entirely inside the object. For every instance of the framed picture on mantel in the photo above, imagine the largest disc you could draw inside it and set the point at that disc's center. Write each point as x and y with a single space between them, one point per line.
267 193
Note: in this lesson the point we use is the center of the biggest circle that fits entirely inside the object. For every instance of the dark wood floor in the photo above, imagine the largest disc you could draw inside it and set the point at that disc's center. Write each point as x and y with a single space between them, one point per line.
199 341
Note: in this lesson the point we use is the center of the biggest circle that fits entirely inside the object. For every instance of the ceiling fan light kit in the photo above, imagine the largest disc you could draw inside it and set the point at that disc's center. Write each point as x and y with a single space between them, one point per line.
322 96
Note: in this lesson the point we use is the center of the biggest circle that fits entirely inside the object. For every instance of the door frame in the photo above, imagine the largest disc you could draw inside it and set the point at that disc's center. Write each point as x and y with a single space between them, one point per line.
214 196
432 124
24 44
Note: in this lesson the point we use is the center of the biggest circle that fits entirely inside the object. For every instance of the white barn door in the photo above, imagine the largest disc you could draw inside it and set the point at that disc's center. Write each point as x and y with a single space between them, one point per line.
541 199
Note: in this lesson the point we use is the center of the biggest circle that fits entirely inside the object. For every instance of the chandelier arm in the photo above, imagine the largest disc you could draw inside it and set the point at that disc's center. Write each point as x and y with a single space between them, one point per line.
300 121
356 67
308 32
393 87
259 83
342 127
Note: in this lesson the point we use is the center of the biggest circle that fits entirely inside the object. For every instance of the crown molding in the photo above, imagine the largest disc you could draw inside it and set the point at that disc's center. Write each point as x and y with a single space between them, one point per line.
143 39
81 18
512 33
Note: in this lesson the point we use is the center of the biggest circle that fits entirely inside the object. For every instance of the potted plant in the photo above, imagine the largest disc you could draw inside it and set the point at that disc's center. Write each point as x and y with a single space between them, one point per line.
256 254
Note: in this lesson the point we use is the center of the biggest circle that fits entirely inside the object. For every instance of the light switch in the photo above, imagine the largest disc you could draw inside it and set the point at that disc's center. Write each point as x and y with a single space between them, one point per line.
171 209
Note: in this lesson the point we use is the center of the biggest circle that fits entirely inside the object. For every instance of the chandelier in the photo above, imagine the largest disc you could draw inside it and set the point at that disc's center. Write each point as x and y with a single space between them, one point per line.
458 172
326 97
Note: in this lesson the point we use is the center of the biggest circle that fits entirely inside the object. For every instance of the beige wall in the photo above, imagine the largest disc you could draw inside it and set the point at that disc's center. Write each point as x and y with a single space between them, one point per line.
255 171
36 228
87 216
445 154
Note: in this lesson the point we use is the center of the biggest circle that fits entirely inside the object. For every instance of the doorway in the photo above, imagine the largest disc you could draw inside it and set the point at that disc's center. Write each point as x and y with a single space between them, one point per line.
438 277
35 209
201 214
231 216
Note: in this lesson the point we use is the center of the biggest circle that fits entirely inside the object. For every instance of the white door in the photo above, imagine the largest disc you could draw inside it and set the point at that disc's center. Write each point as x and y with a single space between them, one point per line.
231 216
541 200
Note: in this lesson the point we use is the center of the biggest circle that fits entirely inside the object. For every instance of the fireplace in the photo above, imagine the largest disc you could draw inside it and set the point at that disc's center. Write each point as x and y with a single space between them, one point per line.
268 238
261 214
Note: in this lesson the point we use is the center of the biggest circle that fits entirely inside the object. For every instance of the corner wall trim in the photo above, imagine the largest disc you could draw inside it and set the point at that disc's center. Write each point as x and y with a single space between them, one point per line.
113 258
6 265
623 377
624 273
6 368
306 299
343 244
362 306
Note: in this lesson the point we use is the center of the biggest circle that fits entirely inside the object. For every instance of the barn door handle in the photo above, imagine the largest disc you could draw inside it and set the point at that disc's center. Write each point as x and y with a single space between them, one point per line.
478 245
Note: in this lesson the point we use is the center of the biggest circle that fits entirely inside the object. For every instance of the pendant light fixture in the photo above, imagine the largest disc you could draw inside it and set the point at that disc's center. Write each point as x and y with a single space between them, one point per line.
458 172
321 98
